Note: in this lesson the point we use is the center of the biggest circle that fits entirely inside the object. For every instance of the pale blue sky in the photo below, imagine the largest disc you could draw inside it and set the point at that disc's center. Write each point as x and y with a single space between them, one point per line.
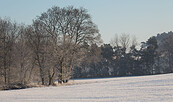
142 18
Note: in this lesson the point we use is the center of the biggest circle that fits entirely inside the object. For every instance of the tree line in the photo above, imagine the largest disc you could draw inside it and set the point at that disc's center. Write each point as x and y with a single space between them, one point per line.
48 49
64 43
124 57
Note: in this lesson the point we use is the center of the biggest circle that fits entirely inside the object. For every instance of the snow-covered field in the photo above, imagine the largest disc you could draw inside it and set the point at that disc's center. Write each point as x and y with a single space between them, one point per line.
124 89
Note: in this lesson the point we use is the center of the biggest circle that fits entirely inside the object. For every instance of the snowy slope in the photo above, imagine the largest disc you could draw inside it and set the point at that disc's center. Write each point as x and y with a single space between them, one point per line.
125 89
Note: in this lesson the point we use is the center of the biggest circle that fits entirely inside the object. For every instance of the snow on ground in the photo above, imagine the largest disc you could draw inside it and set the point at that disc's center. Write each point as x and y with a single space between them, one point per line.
157 88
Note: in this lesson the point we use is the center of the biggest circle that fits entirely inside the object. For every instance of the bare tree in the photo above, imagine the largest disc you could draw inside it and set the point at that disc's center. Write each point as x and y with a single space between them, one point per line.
8 34
115 41
124 40
23 57
134 41
37 41
69 28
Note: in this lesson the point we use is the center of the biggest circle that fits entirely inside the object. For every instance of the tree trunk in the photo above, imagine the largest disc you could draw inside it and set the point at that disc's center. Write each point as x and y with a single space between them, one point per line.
42 76
51 82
